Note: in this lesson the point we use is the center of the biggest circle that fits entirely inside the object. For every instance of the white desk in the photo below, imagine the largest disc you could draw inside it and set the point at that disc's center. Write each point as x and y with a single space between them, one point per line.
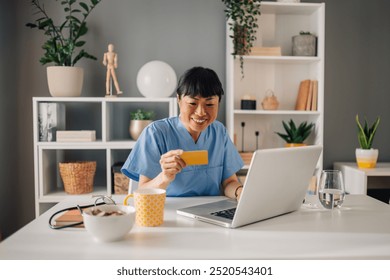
356 179
360 230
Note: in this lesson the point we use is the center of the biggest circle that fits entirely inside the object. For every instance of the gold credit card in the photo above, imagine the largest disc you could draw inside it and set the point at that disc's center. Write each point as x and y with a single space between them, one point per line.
195 157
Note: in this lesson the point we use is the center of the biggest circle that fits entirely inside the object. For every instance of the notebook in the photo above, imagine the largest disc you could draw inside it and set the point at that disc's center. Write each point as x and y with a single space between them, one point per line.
276 184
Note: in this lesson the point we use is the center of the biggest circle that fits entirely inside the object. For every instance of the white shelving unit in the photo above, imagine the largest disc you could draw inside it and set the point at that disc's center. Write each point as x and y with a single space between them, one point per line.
278 23
110 118
360 180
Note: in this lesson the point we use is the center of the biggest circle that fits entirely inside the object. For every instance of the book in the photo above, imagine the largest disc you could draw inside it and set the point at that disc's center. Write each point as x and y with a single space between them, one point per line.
76 135
51 117
303 94
266 51
315 96
309 97
69 217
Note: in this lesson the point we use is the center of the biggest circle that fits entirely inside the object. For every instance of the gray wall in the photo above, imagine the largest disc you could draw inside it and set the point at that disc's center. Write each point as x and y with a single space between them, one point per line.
10 219
357 63
183 33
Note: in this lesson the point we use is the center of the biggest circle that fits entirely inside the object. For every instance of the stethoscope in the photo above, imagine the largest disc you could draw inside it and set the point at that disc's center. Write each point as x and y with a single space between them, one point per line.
105 200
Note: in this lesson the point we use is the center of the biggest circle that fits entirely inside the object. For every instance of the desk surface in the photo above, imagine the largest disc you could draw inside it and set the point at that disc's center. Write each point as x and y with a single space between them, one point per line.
360 230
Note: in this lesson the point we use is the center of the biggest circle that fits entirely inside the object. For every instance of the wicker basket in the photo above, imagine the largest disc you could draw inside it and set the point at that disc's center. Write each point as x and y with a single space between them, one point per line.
78 176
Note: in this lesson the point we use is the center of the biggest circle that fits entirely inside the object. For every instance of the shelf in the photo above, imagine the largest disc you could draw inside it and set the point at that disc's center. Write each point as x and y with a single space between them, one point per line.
71 145
283 59
103 99
95 145
57 196
289 8
275 112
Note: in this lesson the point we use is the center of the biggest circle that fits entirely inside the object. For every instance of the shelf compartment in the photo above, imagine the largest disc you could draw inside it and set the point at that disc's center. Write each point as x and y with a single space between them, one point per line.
283 79
117 128
49 178
283 21
90 112
268 125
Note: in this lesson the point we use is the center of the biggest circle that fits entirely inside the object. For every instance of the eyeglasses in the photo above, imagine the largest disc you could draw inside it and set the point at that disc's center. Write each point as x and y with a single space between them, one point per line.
105 199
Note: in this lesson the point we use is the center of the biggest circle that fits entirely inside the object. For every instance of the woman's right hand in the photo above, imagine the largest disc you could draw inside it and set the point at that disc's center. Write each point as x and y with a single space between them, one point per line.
171 164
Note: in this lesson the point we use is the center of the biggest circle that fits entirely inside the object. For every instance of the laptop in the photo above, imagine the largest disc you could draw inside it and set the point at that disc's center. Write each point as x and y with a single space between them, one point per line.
276 184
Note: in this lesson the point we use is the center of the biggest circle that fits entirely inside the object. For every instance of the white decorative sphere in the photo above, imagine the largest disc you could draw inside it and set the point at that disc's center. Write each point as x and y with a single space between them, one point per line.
156 79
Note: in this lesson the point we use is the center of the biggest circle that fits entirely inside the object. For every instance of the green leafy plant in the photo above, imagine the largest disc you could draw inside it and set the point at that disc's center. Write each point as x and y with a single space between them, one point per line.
142 115
296 134
242 20
65 38
366 134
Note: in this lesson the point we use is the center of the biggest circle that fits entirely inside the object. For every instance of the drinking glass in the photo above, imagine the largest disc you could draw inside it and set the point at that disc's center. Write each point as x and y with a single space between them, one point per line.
331 191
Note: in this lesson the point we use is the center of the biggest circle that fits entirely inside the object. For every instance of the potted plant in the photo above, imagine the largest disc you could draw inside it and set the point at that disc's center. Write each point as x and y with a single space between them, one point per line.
139 120
366 156
242 21
61 46
296 135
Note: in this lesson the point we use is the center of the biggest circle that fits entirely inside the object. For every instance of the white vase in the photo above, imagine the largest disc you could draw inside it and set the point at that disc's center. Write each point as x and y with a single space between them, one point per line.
136 127
65 81
366 158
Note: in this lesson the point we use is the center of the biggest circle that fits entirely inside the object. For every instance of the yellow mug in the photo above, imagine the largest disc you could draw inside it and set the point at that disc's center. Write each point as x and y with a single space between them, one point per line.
149 206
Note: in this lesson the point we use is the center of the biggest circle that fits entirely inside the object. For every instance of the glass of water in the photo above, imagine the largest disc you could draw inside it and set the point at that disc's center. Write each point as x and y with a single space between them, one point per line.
331 191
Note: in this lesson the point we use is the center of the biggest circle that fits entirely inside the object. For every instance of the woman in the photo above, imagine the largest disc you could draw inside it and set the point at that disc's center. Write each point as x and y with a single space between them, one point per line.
155 160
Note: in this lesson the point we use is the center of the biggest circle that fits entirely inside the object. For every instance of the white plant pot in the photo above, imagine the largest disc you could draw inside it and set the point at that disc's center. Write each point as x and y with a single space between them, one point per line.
65 81
136 127
366 158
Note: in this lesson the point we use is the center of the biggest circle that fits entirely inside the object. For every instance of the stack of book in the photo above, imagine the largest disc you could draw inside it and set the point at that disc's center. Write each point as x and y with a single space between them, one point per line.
266 51
51 117
307 96
76 135
69 217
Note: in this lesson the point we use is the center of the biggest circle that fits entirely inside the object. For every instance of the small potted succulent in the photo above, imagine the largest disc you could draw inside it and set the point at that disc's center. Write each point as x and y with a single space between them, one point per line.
366 156
61 46
139 120
295 135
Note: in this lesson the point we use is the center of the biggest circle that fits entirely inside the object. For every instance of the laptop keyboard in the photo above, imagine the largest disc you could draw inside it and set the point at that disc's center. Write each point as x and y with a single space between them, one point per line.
228 213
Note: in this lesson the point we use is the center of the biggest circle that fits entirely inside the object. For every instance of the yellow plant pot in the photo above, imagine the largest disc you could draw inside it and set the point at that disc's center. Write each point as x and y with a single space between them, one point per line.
289 145
366 158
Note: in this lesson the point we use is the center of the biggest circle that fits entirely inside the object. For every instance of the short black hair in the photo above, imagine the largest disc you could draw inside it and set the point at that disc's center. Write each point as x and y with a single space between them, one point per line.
199 81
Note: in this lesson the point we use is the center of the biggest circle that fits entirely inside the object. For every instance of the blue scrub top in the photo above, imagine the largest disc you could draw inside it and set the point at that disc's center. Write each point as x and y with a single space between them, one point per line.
170 134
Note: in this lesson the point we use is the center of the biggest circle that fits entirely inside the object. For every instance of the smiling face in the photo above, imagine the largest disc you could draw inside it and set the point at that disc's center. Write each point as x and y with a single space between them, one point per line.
197 113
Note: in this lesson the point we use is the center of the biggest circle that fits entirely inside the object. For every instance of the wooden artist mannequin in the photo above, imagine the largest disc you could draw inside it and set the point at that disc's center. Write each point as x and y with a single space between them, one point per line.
110 60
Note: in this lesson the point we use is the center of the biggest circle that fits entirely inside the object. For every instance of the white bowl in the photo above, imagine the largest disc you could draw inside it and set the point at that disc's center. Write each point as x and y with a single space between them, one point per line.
109 228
